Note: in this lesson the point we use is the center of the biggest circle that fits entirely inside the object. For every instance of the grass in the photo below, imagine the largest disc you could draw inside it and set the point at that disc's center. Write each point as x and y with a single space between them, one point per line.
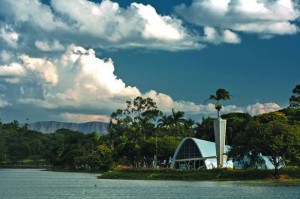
201 175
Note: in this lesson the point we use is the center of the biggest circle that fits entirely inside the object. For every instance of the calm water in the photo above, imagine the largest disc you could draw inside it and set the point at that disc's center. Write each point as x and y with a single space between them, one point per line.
34 183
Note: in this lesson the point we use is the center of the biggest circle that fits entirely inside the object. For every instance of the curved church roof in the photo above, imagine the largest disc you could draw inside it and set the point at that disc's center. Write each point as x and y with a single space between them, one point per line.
191 149
205 150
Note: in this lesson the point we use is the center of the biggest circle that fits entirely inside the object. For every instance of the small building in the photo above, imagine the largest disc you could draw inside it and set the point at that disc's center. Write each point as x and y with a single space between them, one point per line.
193 153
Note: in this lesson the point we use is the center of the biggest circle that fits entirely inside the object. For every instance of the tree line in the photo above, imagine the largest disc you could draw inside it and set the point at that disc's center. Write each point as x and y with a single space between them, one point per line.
143 136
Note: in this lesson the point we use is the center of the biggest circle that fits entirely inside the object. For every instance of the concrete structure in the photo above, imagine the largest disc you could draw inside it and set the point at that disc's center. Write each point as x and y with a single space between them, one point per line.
193 153
220 135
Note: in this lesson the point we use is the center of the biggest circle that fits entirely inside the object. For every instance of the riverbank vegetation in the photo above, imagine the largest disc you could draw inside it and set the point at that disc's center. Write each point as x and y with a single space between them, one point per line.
286 175
142 136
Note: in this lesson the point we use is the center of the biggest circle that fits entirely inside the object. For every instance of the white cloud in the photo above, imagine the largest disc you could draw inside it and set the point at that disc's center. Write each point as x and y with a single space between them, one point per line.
41 67
31 12
12 70
231 37
213 36
279 28
31 69
78 79
110 25
259 108
159 27
264 17
80 82
92 75
48 47
163 101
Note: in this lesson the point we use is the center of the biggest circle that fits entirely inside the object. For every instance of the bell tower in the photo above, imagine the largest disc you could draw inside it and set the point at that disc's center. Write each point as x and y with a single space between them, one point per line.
220 135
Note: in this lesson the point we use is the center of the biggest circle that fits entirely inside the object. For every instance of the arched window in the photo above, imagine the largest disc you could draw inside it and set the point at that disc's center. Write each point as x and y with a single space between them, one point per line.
188 150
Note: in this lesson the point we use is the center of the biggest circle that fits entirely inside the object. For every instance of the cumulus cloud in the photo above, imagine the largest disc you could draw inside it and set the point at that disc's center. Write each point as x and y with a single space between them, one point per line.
79 86
100 25
263 17
13 70
213 36
40 67
31 69
159 27
75 79
108 19
259 108
32 13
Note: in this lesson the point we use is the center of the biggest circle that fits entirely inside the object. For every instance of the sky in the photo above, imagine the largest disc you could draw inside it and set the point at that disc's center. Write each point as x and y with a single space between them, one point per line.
80 60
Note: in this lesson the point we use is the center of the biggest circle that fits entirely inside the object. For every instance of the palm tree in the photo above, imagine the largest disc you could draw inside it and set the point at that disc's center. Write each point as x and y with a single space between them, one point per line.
164 121
189 123
177 118
221 94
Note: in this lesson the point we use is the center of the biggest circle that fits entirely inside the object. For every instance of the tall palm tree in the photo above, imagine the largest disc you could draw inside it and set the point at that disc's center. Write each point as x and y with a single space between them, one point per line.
177 118
221 94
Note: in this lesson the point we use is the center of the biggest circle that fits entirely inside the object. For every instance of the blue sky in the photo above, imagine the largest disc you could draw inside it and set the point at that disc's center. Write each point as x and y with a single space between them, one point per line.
80 60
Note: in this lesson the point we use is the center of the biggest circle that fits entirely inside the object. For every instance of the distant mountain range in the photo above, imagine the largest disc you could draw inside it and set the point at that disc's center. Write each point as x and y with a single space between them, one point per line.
51 126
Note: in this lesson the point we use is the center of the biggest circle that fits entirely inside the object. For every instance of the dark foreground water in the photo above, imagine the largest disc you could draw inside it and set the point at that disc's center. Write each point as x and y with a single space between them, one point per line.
34 183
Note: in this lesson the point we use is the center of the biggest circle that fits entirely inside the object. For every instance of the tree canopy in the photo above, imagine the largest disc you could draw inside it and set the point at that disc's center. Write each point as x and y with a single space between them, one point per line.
270 136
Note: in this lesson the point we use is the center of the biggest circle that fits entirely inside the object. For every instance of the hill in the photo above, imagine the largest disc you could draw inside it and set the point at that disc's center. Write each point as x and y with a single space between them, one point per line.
51 126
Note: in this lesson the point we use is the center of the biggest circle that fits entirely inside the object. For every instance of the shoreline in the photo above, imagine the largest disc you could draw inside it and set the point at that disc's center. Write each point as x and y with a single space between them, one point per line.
286 176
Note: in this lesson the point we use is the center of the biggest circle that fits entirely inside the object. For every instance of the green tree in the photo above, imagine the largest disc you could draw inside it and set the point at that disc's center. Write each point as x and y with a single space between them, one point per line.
136 119
205 130
104 157
272 116
177 121
221 94
128 153
236 123
148 150
167 146
175 124
292 114
130 127
275 139
295 99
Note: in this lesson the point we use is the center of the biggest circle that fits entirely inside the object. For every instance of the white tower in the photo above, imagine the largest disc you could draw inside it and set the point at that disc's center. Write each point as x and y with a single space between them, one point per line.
220 135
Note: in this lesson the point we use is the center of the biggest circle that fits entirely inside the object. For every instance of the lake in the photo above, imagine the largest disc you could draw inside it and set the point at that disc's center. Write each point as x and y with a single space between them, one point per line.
35 183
